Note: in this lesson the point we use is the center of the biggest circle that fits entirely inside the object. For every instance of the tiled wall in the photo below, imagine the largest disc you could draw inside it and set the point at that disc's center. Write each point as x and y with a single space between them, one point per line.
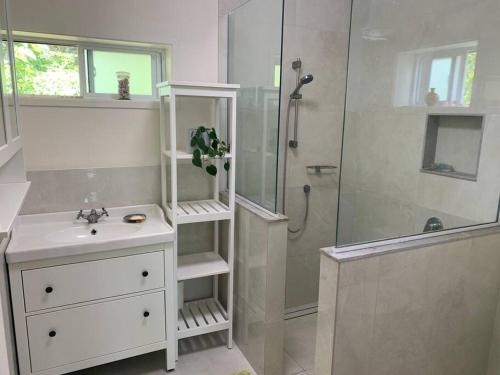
74 189
494 359
426 310
259 287
316 31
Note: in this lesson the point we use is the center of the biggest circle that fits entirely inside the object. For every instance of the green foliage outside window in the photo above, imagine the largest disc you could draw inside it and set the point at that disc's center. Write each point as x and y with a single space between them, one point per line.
45 69
470 72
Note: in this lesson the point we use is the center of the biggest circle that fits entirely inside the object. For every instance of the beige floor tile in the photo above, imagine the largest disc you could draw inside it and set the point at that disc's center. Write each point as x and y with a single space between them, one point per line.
205 355
300 340
291 367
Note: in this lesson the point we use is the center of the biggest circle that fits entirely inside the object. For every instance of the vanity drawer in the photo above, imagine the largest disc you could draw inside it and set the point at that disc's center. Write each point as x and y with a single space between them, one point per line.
80 333
79 282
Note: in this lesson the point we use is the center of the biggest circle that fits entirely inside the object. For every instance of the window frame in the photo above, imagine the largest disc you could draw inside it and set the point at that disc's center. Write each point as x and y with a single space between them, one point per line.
157 70
456 80
158 63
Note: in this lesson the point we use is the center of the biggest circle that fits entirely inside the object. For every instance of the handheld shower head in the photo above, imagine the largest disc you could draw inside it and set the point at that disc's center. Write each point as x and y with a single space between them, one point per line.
306 79
303 81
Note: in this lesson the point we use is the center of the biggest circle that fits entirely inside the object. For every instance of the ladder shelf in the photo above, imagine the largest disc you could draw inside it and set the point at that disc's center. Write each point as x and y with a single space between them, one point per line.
199 211
201 317
207 315
183 155
200 265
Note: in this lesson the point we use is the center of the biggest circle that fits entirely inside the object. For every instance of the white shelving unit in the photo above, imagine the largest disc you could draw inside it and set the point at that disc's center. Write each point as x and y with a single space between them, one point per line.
207 315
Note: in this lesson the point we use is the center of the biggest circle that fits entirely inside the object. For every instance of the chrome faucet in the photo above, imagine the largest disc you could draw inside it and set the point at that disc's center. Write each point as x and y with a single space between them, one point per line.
93 217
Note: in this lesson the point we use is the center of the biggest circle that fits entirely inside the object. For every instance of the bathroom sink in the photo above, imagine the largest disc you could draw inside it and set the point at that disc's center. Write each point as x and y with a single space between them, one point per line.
60 234
92 232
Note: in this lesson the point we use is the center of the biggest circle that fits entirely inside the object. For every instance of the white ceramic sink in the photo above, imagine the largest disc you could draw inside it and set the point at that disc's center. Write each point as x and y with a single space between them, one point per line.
37 237
93 232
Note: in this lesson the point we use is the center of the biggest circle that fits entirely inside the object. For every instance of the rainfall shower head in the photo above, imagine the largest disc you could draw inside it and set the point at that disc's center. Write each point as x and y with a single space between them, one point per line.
303 81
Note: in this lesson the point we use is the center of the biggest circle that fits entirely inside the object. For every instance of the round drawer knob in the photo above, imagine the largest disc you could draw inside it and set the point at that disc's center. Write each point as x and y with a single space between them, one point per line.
146 314
49 289
52 333
145 273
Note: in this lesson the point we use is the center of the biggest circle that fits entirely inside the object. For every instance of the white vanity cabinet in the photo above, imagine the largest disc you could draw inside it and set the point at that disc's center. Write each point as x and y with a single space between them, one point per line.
81 282
94 306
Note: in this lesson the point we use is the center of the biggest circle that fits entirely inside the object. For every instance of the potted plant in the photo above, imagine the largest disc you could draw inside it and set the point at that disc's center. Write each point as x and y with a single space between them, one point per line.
204 152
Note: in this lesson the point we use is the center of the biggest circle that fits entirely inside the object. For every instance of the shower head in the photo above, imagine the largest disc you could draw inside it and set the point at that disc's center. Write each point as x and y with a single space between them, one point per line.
306 79
303 81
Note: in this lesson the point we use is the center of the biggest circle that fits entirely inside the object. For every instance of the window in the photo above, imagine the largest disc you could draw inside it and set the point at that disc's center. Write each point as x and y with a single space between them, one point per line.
103 65
83 70
449 70
47 69
277 75
440 76
452 77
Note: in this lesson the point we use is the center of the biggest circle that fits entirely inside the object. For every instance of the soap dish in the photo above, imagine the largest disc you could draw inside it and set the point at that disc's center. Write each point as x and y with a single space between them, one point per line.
134 218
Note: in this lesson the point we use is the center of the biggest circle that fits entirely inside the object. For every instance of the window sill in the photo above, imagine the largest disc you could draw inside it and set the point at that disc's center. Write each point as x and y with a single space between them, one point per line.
88 103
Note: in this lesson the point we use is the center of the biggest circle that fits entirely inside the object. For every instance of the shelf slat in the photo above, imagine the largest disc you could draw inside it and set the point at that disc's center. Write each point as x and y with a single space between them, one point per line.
201 317
186 156
200 265
200 211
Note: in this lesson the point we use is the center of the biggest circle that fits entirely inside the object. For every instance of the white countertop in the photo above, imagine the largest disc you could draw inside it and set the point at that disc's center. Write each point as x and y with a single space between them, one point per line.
54 235
11 199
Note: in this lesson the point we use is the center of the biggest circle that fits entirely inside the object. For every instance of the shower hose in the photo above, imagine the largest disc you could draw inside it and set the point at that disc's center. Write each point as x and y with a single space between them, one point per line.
307 190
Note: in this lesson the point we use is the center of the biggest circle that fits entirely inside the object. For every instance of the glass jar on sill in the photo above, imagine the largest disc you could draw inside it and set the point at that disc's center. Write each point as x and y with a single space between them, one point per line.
123 85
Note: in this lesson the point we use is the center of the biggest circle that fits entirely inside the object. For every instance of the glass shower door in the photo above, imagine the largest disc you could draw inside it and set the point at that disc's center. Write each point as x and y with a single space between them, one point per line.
421 127
254 61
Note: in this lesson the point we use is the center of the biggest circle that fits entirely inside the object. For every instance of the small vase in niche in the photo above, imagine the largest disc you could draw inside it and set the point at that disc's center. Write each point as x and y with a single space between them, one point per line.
432 98
123 85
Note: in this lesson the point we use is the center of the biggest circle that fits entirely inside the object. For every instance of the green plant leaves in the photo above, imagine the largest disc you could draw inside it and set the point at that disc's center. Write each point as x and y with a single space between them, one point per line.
215 148
197 158
212 134
211 169
201 144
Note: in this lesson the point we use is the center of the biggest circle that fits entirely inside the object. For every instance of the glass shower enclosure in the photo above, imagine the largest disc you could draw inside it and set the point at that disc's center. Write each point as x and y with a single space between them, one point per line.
421 129
254 61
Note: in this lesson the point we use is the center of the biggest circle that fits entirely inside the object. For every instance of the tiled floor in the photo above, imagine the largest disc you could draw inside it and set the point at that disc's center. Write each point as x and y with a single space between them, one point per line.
208 355
300 345
205 355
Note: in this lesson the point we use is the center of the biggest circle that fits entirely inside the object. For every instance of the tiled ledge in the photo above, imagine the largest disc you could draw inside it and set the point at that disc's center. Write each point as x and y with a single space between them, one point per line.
371 250
261 212
87 103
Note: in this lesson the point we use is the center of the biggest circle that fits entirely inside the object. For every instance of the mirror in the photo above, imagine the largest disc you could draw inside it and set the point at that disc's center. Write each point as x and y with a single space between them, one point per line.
8 126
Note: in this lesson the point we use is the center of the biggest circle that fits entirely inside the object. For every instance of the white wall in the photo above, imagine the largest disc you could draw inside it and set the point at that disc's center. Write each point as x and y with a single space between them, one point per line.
77 137
65 138
190 26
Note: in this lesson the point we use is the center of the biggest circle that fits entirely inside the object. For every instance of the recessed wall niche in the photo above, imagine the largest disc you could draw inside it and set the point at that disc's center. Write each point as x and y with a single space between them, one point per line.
453 145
